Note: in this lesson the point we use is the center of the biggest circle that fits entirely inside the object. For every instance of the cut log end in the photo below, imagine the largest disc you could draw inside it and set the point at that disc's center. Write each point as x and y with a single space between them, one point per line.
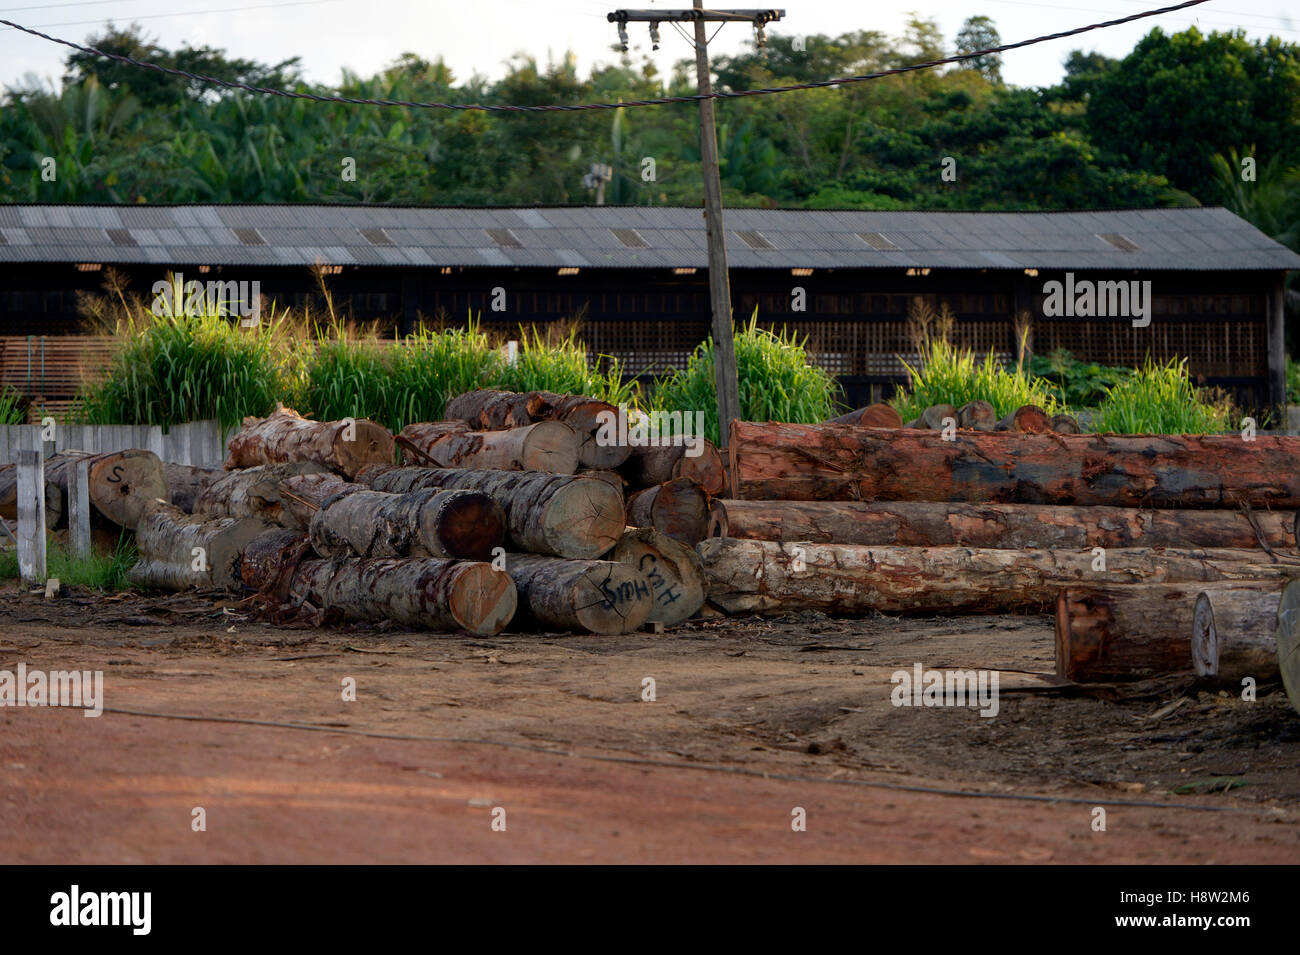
1205 638
469 524
1288 641
370 443
584 519
612 598
483 600
675 571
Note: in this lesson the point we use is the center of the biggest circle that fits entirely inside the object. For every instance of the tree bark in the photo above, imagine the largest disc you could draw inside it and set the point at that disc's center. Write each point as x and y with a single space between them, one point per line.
121 484
257 492
765 576
678 509
429 592
649 466
1288 641
1065 424
675 572
598 596
829 462
286 436
932 417
423 523
977 415
187 483
178 550
872 416
1131 632
549 446
1026 419
939 524
551 514
1234 634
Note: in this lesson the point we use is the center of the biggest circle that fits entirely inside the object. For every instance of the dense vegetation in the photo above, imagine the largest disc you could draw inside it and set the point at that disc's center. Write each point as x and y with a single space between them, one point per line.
1165 125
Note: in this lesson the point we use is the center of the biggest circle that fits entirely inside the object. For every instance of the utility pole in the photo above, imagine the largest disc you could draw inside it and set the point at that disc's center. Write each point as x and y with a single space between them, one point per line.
724 346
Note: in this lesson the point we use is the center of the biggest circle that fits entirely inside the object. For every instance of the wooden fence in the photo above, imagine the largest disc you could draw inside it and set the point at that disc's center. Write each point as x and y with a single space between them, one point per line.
201 443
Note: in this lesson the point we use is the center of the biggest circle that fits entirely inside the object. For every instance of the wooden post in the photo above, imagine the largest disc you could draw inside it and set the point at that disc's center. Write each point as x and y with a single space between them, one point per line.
79 508
724 347
31 518
1277 349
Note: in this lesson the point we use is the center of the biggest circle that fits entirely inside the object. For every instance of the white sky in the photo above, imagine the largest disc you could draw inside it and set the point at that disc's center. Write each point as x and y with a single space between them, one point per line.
365 35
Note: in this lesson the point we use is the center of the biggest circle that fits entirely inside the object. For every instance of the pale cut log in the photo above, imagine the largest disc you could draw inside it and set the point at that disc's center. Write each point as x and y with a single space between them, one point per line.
257 492
1132 631
872 416
977 415
1065 424
423 523
612 478
591 418
178 550
599 596
678 508
553 514
187 482
549 446
122 483
932 417
344 446
746 576
830 462
674 570
1234 634
940 524
649 466
1027 419
429 592
1288 641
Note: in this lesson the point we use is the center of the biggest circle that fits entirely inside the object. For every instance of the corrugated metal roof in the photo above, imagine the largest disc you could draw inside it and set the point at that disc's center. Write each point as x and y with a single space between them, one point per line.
1204 239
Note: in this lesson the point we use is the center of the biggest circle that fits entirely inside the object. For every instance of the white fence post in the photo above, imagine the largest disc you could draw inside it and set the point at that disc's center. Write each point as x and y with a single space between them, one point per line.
79 508
31 518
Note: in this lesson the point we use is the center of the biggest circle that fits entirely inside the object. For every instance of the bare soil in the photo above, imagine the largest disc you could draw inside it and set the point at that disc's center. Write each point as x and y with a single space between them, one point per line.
753 719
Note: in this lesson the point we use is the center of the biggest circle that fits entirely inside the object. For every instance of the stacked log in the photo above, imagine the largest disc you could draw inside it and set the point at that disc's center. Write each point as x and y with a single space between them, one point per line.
1288 641
121 485
831 462
259 492
550 446
430 592
1108 632
698 461
674 570
423 523
490 410
598 596
934 417
178 550
872 416
551 514
766 576
285 436
1234 634
187 483
942 524
679 509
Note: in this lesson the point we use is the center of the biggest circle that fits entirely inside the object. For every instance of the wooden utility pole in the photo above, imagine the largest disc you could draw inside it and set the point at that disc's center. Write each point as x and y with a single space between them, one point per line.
724 346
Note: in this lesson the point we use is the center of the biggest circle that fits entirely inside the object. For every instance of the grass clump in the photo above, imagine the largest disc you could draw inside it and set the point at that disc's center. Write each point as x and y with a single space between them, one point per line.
102 572
556 361
1076 384
1161 399
11 406
775 381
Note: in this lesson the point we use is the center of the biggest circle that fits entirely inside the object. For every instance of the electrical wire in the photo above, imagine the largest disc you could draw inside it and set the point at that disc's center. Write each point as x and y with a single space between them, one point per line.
580 107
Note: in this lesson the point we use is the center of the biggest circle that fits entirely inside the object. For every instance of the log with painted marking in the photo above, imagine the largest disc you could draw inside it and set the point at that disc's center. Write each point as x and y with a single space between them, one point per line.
555 514
832 462
344 446
941 524
178 550
121 484
550 446
599 596
675 572
1135 631
748 576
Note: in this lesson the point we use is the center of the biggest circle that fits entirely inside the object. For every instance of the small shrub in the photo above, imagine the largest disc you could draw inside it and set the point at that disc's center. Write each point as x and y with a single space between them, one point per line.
11 406
102 572
558 362
774 378
1161 399
1076 384
948 375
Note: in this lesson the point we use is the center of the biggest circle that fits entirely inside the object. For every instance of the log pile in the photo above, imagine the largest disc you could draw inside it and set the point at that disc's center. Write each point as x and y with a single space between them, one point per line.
285 436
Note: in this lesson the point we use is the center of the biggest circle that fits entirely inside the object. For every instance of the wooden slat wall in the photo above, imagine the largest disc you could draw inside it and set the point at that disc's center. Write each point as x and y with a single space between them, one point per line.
200 443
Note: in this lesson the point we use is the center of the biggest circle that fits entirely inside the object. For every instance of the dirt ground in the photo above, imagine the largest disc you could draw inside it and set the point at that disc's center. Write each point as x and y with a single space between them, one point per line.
452 738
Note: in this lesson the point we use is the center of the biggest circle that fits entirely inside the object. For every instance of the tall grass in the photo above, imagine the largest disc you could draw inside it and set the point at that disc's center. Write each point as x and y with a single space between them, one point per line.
948 375
557 361
11 406
170 370
1161 399
102 572
775 381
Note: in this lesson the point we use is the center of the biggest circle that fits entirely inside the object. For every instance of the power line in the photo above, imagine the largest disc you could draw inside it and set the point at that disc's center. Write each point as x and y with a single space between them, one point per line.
1191 20
193 13
579 107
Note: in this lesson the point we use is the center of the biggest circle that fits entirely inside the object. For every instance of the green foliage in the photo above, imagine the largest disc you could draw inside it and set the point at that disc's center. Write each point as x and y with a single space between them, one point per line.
102 572
11 406
170 370
1161 399
1076 384
774 379
948 375
1292 381
560 363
